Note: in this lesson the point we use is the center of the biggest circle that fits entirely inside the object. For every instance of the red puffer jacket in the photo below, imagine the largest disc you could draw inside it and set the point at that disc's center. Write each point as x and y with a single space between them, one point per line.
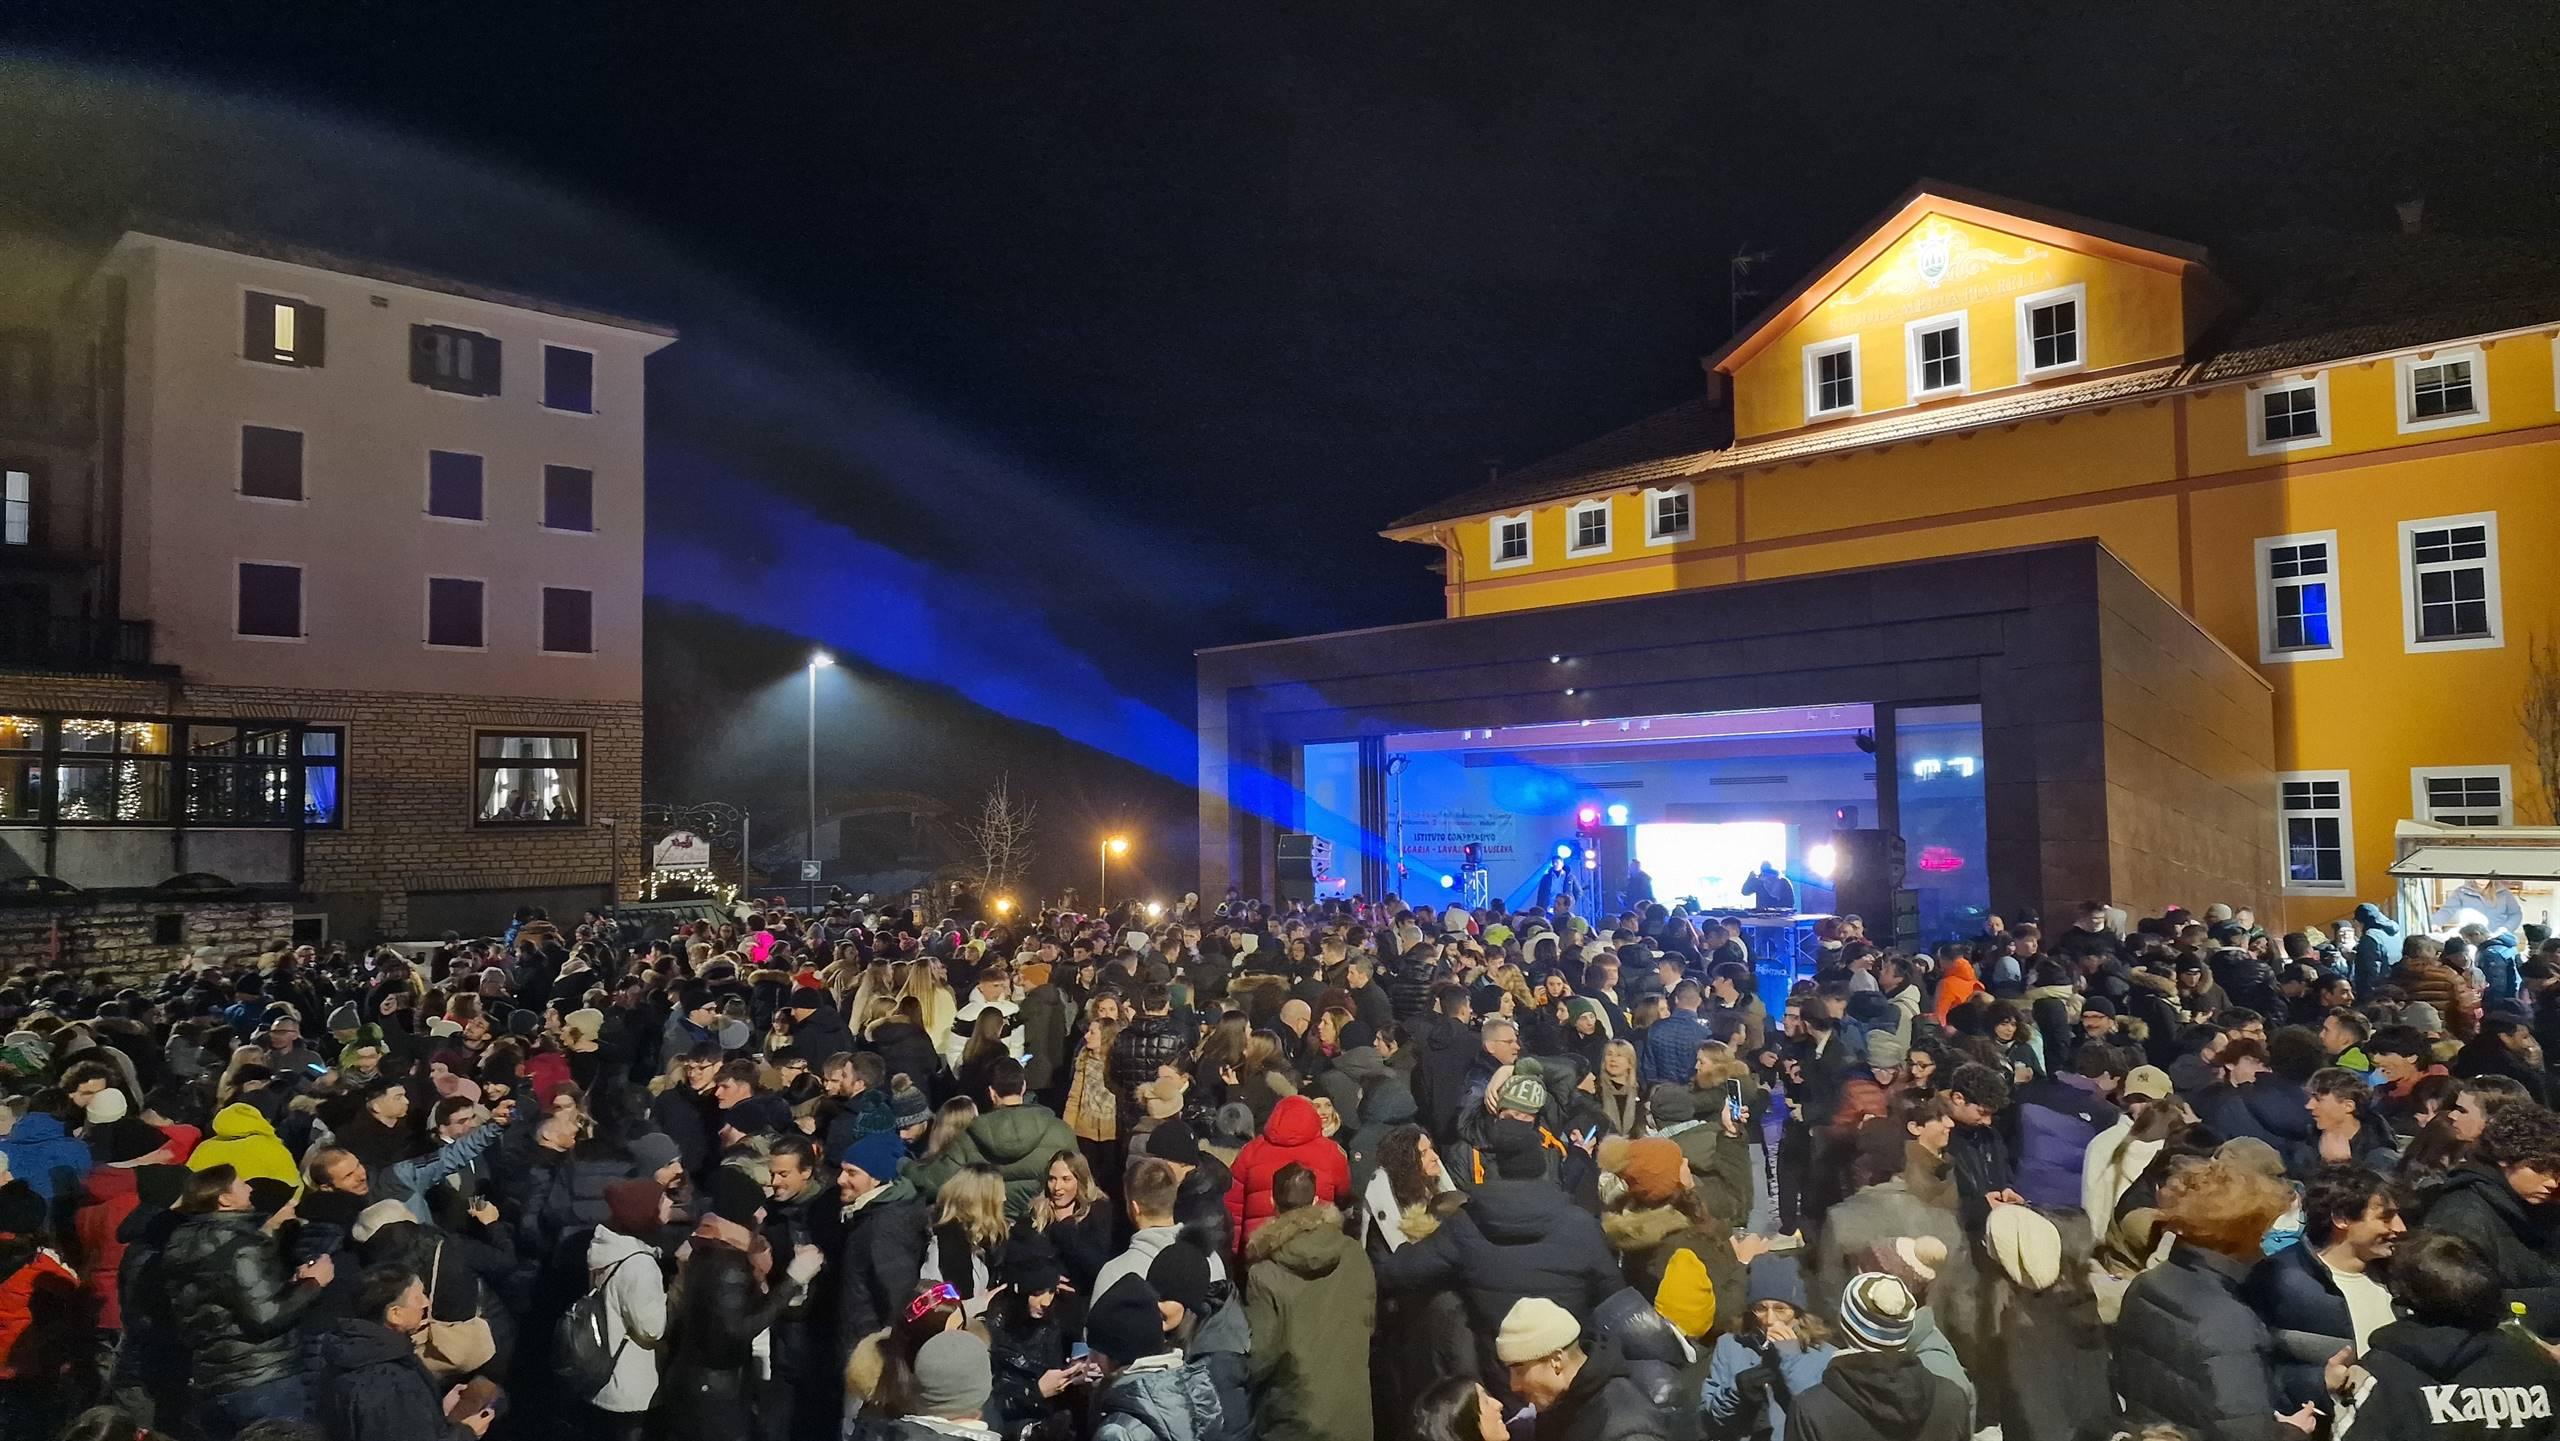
112 1197
38 1320
1293 1134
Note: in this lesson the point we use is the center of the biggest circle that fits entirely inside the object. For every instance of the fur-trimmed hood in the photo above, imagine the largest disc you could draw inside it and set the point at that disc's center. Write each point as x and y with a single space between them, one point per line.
1641 1228
1309 1240
1418 1220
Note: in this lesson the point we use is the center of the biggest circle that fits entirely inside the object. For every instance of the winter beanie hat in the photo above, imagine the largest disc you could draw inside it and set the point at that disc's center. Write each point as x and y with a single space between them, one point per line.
1522 1092
1534 1327
1652 1170
877 1155
2027 1246
631 1206
1124 1324
1876 1312
954 1375
735 1196
909 1106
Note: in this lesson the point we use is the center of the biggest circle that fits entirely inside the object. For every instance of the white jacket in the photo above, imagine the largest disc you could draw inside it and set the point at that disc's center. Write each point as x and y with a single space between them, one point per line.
635 1308
2104 1178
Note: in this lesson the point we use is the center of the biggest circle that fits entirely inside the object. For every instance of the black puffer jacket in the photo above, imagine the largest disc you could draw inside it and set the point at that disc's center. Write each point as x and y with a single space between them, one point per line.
1601 1404
236 1305
1513 1239
2188 1350
2441 1383
721 1309
2478 1205
372 1388
1408 984
1144 1044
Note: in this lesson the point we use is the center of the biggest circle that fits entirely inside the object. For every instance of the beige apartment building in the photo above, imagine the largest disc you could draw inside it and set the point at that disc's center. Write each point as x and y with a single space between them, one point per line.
320 600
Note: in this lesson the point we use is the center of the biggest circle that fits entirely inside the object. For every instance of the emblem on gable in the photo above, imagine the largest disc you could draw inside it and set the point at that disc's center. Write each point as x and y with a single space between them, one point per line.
1931 254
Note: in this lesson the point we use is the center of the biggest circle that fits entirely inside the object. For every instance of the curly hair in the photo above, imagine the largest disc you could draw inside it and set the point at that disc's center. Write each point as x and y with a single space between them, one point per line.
2221 1207
1981 1085
2523 1136
1400 1156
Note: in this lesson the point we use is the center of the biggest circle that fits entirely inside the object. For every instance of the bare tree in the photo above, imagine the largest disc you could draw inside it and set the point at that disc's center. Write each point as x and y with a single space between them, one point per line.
1001 836
2540 716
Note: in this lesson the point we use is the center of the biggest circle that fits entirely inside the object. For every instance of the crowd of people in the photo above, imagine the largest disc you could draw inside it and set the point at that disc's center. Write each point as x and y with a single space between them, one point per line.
1304 1172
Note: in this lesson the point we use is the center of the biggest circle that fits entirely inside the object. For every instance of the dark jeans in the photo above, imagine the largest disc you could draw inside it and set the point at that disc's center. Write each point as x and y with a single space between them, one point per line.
281 1400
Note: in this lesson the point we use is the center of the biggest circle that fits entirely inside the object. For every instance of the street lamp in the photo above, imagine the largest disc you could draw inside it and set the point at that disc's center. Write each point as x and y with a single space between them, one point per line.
1004 905
1116 846
818 660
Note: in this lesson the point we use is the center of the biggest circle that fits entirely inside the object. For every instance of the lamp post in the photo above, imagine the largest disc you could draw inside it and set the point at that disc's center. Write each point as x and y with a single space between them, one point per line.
818 660
1116 846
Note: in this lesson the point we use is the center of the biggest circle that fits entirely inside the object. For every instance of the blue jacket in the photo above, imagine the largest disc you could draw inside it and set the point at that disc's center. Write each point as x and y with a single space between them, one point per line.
2377 948
1738 1400
48 1158
1671 1048
2306 1316
2498 966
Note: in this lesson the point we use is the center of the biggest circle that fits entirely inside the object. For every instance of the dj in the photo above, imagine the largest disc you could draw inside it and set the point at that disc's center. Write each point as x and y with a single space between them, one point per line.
1769 890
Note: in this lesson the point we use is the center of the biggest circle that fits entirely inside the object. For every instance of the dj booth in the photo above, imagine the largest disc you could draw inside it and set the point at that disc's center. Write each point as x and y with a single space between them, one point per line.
1783 951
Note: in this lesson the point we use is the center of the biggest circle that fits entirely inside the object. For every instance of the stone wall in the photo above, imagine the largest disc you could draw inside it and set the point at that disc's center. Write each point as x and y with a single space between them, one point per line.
408 791
119 939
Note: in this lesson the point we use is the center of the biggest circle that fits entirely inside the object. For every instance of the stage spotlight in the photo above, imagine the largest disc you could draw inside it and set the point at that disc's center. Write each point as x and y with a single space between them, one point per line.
1589 815
1617 815
1564 850
1586 721
1448 883
1555 660
1821 859
1568 690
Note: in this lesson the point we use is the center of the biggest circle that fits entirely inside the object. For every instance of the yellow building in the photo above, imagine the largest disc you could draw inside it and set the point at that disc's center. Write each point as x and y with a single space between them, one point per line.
2339 456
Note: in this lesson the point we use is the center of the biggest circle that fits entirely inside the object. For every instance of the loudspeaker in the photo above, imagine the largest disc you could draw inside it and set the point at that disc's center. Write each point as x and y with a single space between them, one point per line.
1866 875
1296 856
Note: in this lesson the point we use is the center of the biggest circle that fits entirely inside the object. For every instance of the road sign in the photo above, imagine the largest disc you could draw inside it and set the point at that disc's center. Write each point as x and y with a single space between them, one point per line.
808 870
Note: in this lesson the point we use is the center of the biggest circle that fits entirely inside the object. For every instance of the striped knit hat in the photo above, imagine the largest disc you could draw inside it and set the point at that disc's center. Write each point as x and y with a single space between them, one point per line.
1875 1312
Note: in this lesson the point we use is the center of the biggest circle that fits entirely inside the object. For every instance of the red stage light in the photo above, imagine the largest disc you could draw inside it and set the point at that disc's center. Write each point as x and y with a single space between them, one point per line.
1939 859
1589 815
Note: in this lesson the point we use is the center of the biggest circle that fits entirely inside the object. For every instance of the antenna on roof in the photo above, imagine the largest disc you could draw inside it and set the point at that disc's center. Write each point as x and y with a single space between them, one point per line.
1744 261
1492 468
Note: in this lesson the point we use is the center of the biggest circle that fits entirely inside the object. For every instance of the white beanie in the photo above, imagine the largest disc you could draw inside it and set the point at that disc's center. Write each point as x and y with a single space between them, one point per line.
107 1107
1535 1327
2027 1246
376 1216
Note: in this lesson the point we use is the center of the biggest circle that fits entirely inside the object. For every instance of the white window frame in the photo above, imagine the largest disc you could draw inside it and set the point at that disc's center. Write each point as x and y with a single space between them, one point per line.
1813 387
2318 384
27 503
2420 775
1955 320
540 621
427 486
2406 365
2497 636
2268 654
543 399
2346 813
427 614
302 600
1573 547
1653 497
2078 294
1493 541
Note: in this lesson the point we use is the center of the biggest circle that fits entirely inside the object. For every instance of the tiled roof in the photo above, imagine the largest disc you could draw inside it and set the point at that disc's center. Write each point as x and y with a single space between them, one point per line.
2323 297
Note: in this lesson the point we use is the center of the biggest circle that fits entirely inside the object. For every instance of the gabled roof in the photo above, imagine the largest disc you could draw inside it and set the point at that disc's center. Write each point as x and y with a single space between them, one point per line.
2034 222
2317 297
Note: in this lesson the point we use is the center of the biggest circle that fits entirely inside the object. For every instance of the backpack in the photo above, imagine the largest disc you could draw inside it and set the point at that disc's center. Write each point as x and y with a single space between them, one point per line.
583 1357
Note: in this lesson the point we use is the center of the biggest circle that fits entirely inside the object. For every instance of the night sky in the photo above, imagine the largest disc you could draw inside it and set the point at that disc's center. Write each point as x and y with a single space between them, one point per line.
1028 349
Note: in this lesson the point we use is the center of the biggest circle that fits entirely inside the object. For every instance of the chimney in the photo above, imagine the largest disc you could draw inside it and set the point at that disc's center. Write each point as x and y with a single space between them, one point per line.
2413 214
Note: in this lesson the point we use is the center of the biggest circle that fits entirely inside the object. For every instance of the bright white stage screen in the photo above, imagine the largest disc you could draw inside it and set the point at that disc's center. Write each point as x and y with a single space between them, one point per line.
1708 859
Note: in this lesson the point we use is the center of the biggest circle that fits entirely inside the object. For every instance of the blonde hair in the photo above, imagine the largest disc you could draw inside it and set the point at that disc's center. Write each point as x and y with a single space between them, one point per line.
974 1201
955 1117
1718 1065
1088 1190
1615 1049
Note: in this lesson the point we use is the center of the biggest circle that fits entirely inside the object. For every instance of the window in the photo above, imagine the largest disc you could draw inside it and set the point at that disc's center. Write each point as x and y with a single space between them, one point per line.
2050 330
2463 795
268 605
1510 537
270 463
2289 414
1670 515
1937 355
460 362
324 752
1586 528
2447 387
2449 583
456 613
239 775
1831 379
568 621
17 507
2298 598
530 780
568 498
280 330
568 379
111 770
2315 831
453 485
21 768
25 366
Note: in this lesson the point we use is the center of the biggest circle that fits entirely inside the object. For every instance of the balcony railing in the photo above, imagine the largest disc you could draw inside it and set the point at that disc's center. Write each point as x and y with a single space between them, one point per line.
60 642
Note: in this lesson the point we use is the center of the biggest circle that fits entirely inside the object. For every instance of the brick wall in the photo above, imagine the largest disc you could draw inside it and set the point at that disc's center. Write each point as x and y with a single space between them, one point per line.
115 938
408 789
